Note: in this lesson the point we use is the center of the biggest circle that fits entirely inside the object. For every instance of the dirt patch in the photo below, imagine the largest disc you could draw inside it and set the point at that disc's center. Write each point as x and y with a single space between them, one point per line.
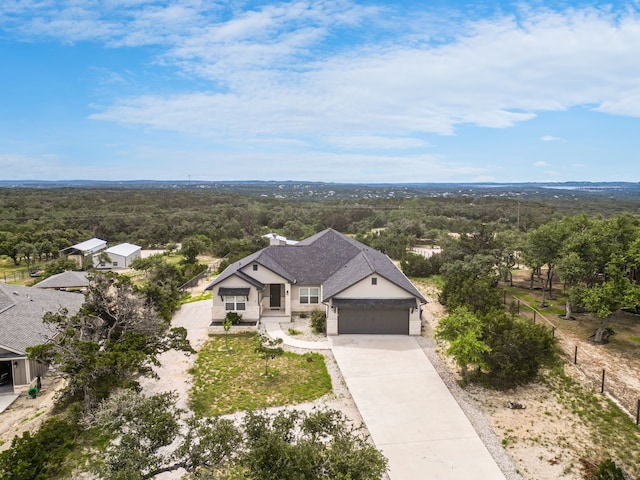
549 439
26 413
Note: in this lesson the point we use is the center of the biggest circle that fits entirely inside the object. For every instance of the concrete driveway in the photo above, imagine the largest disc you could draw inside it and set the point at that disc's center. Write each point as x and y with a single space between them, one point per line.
410 413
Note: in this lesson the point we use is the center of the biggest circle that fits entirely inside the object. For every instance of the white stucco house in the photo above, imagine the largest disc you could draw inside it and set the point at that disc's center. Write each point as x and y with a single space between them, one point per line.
116 257
21 326
359 288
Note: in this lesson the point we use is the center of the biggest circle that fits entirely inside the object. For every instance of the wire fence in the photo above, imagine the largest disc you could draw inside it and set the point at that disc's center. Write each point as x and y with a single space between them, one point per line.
15 276
607 379
193 282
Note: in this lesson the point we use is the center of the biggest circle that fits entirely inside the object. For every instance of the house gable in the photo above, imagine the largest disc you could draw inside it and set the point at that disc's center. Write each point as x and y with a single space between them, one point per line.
373 286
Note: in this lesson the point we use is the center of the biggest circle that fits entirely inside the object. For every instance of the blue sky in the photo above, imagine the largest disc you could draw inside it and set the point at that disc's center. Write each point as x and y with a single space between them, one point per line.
332 90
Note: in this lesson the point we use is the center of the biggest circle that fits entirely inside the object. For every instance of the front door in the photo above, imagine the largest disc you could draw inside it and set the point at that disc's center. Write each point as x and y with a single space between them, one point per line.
274 295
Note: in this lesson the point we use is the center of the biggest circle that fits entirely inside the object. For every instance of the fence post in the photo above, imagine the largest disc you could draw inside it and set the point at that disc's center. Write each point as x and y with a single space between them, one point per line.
534 316
638 414
602 386
553 331
518 306
575 356
505 298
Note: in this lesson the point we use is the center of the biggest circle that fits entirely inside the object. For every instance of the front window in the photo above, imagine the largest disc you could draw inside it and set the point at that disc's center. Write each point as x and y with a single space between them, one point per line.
235 303
309 295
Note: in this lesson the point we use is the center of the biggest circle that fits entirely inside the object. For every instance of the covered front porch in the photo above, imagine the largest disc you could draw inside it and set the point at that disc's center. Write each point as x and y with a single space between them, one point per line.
276 300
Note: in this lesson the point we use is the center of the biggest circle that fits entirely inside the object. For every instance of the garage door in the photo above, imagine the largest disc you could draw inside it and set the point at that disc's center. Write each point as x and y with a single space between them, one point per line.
369 320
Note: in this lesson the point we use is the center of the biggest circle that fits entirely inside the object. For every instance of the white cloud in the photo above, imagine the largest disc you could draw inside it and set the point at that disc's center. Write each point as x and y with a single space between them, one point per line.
371 142
307 71
540 164
496 74
549 138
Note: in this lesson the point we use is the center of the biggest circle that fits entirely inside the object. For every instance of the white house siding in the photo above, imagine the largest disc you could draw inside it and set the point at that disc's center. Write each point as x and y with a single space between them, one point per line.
252 312
20 373
262 274
298 307
383 289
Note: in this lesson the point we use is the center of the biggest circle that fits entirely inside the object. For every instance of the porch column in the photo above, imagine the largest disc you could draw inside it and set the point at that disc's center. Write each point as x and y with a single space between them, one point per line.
287 299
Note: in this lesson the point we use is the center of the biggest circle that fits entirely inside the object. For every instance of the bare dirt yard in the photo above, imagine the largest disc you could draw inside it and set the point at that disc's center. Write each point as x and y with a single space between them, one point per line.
26 413
552 438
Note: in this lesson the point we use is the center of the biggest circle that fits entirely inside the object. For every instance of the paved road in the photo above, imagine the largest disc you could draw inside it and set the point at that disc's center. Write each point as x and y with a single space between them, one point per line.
410 413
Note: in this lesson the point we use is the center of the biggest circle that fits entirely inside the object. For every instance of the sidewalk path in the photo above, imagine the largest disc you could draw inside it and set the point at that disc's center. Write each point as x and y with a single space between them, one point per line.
273 329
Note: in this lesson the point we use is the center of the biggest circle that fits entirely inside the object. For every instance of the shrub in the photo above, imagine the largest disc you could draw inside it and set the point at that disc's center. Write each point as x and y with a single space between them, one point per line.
608 470
319 321
41 455
235 317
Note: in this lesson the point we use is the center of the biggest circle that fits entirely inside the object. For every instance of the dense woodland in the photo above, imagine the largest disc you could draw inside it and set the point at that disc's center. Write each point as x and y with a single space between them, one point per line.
36 223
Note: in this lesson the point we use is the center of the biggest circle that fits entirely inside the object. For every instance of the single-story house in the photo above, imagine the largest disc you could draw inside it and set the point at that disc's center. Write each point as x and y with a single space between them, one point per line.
359 288
21 326
118 256
84 251
69 280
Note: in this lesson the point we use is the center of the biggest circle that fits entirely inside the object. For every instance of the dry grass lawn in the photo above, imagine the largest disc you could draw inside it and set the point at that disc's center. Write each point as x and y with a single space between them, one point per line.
227 381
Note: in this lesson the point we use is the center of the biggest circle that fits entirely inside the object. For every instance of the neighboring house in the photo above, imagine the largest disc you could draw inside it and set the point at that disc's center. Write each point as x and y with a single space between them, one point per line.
359 288
118 256
21 326
69 280
84 251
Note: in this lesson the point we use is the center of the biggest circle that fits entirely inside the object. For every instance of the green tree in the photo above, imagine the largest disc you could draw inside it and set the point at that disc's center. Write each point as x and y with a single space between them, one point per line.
162 282
321 445
464 330
472 283
268 349
288 445
115 337
59 265
192 247
518 349
616 292
415 265
40 455
143 426
543 247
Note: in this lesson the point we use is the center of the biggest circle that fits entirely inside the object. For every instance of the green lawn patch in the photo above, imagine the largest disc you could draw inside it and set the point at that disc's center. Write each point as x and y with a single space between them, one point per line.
226 381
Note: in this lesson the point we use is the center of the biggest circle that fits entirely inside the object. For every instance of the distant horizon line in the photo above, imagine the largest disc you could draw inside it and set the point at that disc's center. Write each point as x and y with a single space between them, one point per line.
321 182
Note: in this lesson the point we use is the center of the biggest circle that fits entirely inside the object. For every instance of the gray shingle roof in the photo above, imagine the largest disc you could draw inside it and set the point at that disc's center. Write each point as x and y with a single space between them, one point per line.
65 280
327 258
21 321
